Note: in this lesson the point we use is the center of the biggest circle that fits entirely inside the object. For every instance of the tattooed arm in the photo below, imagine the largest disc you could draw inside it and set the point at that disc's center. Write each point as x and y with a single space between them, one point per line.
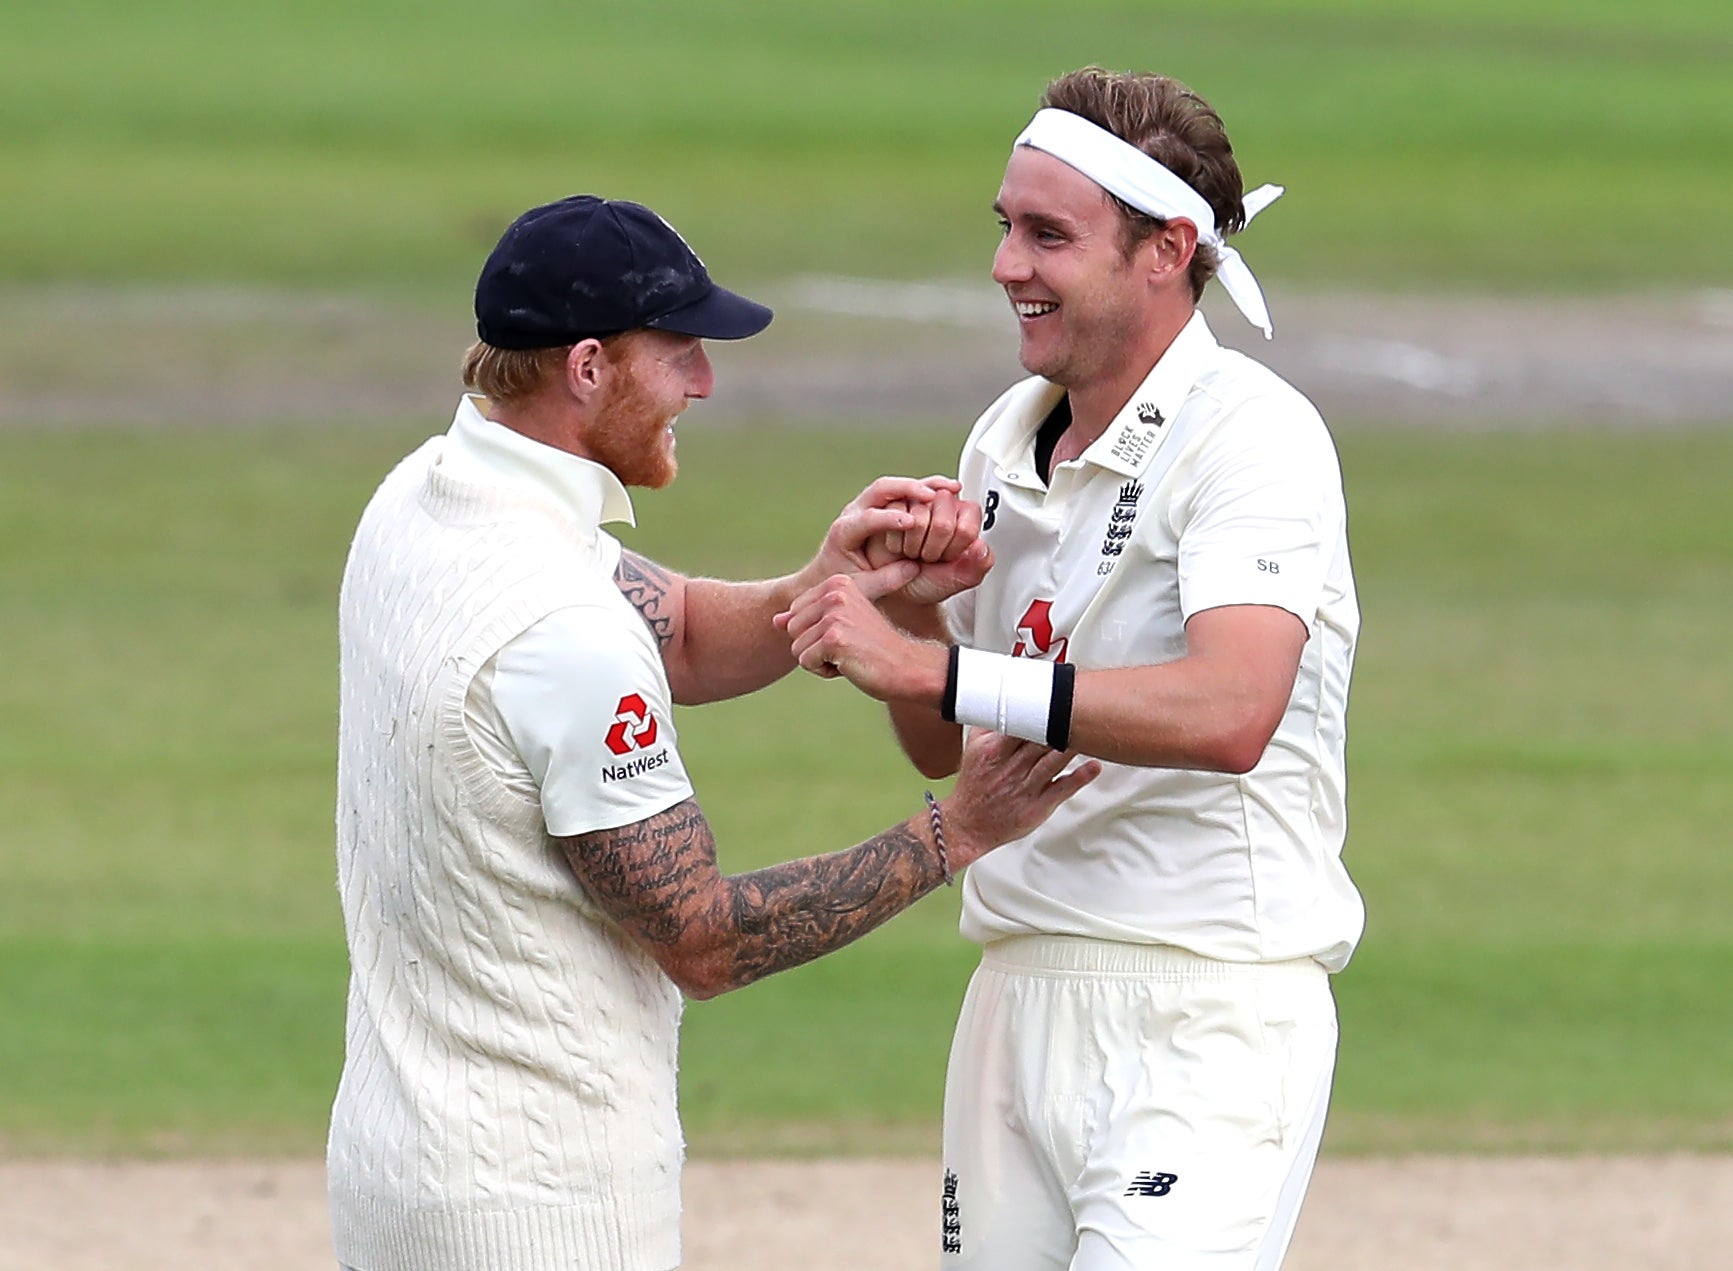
658 879
716 637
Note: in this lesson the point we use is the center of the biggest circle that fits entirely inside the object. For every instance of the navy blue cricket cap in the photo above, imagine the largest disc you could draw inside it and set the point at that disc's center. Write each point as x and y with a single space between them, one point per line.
588 267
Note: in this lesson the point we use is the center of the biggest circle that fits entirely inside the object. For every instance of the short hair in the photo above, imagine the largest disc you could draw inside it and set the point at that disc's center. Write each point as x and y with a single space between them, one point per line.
511 376
1175 127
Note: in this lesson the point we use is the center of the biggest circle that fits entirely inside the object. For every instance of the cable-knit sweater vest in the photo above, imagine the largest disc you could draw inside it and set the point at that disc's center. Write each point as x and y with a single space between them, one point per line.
508 1093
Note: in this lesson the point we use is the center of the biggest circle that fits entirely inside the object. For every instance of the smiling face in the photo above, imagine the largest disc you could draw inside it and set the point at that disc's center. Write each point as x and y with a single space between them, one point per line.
653 376
1087 313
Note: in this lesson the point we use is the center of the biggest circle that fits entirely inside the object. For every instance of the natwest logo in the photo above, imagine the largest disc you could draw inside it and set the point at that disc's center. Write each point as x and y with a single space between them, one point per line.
1035 638
634 726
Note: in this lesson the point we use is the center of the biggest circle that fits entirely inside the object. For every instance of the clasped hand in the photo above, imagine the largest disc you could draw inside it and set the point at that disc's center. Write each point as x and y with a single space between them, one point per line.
908 540
906 544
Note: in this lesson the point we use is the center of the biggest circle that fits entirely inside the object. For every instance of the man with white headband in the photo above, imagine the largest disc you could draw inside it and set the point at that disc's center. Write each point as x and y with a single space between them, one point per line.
1141 1071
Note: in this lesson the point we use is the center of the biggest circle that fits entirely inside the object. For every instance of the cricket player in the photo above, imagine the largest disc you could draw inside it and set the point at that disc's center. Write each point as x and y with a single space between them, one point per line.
1141 1069
528 882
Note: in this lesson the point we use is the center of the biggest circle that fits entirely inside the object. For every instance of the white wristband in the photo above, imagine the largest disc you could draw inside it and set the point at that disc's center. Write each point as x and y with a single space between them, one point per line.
1021 697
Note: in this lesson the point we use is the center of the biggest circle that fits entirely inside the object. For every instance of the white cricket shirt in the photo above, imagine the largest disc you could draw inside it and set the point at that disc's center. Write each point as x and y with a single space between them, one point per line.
1218 484
576 710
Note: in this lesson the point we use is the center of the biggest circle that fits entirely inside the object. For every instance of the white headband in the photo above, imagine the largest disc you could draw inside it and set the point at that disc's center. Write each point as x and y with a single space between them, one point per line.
1122 169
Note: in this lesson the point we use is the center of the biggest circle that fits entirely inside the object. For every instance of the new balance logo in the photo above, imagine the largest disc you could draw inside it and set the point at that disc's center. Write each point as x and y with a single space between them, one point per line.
951 1229
1151 1184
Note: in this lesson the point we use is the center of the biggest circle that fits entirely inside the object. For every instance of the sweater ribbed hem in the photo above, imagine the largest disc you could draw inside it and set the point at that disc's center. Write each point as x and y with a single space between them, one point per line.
624 1231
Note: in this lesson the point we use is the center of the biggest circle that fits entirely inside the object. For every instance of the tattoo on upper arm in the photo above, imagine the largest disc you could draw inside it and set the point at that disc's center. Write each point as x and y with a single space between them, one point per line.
653 877
648 586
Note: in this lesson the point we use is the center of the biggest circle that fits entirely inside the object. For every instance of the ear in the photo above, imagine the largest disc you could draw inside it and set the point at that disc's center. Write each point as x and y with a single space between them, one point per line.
1169 251
587 367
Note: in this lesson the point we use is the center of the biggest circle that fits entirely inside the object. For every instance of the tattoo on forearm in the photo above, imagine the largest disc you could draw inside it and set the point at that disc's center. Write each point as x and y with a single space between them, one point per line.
658 879
647 586
789 914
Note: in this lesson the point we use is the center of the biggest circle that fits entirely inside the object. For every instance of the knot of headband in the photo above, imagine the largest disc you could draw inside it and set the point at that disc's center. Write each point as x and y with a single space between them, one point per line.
1123 170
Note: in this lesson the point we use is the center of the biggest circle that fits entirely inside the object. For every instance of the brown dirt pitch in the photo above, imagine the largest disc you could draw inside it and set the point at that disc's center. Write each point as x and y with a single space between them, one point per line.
1662 1213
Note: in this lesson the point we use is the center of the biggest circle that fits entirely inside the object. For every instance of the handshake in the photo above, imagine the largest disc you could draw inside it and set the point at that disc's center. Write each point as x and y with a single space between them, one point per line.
867 609
867 604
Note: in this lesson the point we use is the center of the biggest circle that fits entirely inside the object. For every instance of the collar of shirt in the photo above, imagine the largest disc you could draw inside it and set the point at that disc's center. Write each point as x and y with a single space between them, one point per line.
591 492
1134 434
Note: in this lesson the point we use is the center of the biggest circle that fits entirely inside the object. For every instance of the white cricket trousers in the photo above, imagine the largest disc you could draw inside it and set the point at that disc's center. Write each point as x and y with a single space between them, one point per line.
1114 1106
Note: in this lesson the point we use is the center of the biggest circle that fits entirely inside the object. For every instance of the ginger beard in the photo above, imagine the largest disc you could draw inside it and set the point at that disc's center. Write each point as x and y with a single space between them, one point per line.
634 435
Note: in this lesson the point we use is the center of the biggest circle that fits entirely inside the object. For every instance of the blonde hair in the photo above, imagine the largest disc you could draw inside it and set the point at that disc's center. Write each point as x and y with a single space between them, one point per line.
508 376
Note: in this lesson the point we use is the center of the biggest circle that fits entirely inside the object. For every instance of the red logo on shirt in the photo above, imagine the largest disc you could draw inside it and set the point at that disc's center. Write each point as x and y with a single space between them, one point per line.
1035 638
634 726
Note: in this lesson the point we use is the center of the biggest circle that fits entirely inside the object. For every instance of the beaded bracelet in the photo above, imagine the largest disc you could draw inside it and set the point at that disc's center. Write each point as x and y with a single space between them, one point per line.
939 839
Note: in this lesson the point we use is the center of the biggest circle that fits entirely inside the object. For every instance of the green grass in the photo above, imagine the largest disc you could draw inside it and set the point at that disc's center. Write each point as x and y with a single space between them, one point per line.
202 1043
1541 1042
1540 749
384 144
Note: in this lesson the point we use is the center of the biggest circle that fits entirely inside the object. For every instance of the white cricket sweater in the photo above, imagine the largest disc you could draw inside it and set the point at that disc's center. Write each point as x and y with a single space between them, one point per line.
507 1100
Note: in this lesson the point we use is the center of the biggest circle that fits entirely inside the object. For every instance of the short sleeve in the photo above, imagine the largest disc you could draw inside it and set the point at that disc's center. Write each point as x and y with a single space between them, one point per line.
959 612
1262 513
584 698
973 471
